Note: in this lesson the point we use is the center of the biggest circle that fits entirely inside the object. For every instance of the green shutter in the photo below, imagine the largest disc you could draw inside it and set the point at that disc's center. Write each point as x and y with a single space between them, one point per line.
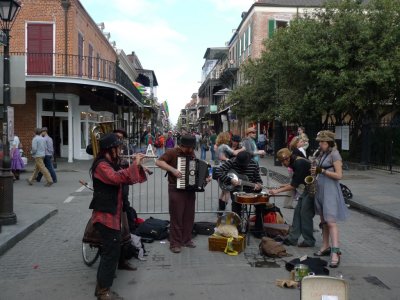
271 27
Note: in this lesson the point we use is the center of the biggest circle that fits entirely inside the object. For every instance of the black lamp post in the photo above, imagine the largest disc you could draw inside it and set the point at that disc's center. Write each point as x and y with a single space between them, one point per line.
8 11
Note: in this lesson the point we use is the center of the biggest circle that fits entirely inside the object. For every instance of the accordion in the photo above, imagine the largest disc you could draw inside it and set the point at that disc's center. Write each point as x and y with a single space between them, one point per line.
194 173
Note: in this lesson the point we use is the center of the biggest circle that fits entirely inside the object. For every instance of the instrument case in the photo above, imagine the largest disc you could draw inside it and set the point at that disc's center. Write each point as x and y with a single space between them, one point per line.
323 288
218 243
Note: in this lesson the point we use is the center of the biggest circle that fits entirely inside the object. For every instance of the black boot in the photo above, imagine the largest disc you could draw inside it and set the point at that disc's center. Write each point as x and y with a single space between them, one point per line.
221 206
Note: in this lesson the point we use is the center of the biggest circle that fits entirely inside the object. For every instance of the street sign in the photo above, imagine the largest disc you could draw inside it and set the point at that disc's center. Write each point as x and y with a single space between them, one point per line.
3 38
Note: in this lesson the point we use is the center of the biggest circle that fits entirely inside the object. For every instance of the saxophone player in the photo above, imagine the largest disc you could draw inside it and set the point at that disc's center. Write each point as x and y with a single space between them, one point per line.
302 224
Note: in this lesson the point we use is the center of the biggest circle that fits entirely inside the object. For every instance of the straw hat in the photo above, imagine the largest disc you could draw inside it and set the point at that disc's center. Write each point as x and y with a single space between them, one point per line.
325 136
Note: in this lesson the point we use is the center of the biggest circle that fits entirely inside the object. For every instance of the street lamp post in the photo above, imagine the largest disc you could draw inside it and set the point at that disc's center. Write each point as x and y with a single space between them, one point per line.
8 11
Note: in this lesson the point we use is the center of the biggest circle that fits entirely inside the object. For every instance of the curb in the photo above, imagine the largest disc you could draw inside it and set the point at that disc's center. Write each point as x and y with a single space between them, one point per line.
15 238
374 212
353 204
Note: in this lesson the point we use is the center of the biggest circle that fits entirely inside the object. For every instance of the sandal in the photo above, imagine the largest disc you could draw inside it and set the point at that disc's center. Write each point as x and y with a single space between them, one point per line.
325 252
335 263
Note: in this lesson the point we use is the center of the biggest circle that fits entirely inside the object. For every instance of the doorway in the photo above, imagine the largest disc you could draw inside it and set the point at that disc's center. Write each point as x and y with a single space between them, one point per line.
59 134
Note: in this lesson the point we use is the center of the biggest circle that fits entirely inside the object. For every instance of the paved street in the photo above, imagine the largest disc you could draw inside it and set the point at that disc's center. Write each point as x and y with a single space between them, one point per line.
47 264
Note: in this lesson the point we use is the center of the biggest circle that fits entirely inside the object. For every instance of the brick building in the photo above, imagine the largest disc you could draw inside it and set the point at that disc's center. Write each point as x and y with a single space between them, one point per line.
67 75
221 70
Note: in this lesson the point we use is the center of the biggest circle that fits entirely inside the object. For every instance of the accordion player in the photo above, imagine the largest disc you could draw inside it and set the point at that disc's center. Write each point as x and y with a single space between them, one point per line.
194 173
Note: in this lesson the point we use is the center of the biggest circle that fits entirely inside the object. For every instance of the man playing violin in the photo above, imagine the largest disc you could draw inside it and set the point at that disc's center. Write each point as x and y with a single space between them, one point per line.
247 168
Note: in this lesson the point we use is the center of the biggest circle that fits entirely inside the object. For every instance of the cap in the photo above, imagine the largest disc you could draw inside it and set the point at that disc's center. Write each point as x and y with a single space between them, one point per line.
243 159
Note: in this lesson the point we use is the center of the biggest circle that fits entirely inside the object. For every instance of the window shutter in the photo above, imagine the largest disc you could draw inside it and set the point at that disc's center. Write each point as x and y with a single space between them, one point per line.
271 27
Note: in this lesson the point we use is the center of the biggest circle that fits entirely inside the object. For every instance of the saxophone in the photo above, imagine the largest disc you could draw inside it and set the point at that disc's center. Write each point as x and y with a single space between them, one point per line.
310 180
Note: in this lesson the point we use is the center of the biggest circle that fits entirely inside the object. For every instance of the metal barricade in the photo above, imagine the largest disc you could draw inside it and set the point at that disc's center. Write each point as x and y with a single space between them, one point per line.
151 197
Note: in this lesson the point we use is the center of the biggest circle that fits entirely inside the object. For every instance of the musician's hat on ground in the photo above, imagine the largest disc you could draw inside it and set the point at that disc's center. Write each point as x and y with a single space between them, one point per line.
325 136
121 131
109 140
243 159
283 154
188 141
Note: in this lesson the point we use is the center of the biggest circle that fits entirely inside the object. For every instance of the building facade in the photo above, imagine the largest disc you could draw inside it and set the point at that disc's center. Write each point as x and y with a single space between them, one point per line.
67 75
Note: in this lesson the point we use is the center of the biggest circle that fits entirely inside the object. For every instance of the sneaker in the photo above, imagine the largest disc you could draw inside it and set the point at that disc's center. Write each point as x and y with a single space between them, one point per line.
288 243
175 249
29 181
49 184
190 244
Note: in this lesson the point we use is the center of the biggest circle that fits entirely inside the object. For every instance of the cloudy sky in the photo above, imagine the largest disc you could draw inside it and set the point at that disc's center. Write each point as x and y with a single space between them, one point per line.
170 37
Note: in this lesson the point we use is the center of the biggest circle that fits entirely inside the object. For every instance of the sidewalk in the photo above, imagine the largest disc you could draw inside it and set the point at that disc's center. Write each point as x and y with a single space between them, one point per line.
374 192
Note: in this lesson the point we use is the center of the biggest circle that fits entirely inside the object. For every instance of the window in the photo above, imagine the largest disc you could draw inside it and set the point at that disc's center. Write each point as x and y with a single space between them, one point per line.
80 54
60 105
40 49
90 61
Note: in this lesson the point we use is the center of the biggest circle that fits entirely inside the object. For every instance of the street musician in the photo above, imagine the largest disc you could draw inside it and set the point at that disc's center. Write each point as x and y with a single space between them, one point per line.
244 165
304 213
181 201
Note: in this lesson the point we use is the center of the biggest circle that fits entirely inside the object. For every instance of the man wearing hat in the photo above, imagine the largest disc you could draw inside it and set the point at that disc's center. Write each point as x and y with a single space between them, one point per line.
49 152
181 202
304 212
107 204
243 165
249 142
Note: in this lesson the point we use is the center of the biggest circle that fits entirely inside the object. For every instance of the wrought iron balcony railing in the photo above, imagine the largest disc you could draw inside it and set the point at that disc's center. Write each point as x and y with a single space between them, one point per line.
77 66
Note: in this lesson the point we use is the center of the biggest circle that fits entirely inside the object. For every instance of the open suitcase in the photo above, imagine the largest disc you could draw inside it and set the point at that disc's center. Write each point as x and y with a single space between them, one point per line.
323 288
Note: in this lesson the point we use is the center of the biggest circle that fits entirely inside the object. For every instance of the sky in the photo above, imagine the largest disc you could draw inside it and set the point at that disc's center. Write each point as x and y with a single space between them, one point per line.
170 37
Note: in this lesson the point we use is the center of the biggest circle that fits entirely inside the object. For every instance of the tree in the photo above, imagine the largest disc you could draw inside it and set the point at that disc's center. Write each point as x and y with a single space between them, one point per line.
342 59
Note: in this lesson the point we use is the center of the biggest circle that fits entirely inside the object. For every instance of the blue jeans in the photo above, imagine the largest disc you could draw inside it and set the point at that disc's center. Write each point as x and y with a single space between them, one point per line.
49 166
212 152
203 152
303 221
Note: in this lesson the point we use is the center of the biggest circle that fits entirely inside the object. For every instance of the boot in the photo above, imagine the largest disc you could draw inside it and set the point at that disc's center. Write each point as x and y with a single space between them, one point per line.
106 294
221 206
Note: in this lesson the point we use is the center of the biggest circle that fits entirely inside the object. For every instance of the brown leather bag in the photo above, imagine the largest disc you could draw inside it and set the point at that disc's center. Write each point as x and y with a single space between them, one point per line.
271 248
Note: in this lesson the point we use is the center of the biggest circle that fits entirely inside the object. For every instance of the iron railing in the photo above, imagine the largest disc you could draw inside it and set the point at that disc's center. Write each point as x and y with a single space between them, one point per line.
77 66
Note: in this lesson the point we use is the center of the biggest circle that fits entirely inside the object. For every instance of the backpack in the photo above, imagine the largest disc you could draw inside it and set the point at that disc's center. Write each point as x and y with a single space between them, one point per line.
153 228
270 248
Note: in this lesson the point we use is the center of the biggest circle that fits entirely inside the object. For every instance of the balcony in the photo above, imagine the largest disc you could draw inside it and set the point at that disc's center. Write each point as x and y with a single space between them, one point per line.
78 67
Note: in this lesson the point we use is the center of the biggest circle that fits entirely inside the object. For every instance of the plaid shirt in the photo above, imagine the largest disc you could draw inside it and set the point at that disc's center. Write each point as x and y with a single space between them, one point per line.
108 175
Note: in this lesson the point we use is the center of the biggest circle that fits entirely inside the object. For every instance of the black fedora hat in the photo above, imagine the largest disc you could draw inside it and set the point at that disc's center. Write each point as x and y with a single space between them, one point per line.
188 141
109 140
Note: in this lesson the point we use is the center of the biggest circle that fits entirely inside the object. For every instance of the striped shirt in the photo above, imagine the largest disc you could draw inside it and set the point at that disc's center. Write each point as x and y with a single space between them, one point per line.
252 171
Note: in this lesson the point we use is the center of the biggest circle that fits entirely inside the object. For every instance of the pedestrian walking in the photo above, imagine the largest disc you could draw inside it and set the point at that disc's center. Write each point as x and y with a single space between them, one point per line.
38 153
213 139
329 201
250 144
17 164
169 143
204 146
49 152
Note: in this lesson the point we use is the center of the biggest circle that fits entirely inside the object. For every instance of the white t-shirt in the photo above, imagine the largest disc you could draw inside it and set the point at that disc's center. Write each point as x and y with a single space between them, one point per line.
15 142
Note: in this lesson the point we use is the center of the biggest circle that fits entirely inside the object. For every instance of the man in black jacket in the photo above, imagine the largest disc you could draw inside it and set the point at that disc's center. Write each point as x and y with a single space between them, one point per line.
304 212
